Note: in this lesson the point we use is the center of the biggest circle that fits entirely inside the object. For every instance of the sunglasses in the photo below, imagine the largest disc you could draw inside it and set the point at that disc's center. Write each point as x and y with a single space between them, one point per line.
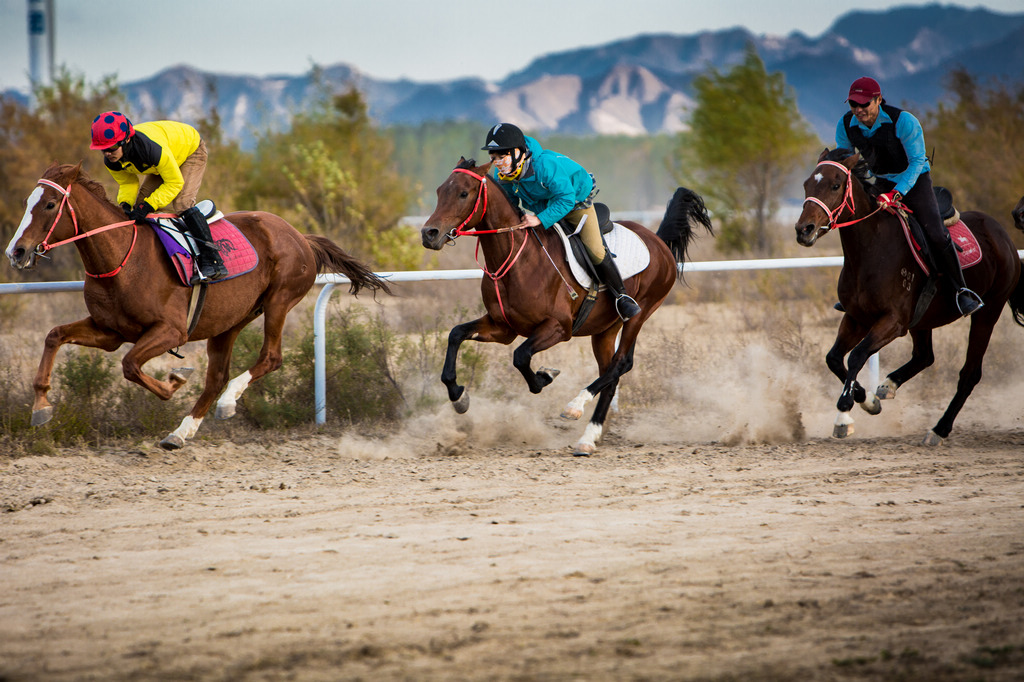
858 105
114 148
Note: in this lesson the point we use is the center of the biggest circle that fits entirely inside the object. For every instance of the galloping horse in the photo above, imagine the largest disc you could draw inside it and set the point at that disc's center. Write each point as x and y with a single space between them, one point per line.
529 291
881 281
133 295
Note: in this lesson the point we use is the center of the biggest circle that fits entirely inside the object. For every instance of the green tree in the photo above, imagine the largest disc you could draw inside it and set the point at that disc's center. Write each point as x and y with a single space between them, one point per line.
333 173
977 144
746 140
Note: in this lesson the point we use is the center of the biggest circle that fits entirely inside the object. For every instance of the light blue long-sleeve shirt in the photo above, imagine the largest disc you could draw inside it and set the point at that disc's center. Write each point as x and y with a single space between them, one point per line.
910 133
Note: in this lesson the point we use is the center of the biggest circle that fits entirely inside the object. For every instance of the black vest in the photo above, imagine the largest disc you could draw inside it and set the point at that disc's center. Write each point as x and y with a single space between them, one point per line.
139 151
883 151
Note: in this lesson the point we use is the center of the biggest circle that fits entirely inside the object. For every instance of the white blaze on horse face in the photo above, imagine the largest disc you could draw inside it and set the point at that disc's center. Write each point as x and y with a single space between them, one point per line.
26 220
818 177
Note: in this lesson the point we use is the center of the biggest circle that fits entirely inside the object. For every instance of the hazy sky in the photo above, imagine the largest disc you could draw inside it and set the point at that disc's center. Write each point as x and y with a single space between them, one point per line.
425 40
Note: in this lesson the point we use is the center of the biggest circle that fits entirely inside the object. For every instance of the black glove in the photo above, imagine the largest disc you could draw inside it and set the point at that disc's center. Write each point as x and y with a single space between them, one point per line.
127 208
140 212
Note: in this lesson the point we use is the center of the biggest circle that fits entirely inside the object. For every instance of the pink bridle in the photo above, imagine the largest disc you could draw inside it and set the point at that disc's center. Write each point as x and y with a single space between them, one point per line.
847 202
45 246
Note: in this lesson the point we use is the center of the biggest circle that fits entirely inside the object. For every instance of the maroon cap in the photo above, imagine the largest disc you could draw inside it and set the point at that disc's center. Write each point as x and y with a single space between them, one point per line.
863 90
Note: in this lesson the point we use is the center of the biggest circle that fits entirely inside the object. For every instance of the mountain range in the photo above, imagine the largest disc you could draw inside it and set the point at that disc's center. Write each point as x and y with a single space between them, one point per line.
636 86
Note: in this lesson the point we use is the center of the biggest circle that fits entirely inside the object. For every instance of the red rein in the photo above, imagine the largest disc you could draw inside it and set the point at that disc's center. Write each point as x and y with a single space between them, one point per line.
65 200
513 255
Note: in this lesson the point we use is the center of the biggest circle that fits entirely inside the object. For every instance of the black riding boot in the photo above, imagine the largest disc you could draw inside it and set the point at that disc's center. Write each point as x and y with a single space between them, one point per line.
608 272
946 260
209 265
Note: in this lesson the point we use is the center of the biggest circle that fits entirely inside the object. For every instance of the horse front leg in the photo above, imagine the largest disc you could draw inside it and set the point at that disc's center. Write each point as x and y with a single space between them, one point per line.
880 335
483 329
81 333
548 333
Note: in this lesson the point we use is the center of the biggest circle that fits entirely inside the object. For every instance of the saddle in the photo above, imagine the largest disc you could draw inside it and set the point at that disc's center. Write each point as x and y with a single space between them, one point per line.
628 250
236 251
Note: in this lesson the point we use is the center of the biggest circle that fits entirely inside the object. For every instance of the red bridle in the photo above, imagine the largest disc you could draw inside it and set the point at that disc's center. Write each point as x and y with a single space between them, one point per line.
513 256
847 202
45 246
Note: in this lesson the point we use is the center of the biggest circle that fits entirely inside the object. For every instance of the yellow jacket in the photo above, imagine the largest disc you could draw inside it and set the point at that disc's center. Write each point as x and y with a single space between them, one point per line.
156 148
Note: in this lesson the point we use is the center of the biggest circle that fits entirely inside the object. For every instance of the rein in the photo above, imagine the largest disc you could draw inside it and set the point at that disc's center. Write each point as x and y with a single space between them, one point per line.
45 246
833 216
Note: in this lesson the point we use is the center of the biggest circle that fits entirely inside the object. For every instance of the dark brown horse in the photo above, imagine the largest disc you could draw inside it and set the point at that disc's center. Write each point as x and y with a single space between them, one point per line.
881 281
529 291
133 294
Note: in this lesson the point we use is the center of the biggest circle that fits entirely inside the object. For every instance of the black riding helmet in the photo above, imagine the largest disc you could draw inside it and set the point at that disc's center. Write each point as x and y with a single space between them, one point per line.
504 137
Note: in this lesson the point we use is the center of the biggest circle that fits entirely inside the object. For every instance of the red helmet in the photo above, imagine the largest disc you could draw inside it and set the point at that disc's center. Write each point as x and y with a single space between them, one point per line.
110 128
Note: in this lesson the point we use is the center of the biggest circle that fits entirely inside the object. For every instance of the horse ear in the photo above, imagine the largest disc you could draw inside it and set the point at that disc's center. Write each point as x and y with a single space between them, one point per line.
851 160
823 155
75 173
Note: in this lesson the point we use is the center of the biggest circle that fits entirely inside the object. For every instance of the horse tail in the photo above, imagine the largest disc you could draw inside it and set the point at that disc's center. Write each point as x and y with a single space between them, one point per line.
1017 301
332 258
684 209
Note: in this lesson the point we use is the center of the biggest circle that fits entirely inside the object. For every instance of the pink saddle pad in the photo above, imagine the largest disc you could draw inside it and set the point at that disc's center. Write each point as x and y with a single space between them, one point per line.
236 251
969 252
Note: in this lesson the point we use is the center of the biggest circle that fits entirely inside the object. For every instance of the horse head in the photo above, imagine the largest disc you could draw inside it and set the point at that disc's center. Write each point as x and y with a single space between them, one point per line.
1018 214
827 193
47 213
461 205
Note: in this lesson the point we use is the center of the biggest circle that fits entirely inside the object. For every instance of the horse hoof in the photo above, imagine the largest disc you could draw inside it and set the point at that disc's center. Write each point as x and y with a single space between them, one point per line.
549 372
886 390
584 450
932 439
871 405
842 430
40 417
571 413
225 411
179 375
462 404
172 442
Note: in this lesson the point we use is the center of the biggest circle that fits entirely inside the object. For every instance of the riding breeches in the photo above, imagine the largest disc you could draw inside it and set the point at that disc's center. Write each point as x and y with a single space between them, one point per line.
591 232
921 200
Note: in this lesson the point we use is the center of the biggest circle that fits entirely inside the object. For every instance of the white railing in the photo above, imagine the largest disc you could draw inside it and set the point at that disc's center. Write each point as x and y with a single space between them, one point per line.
331 281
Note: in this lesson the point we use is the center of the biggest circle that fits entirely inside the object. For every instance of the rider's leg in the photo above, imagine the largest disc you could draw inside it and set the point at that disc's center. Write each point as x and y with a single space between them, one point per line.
921 200
210 265
607 271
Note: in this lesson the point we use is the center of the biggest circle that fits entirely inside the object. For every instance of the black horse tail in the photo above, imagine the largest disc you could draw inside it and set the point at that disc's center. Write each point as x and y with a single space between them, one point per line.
332 258
685 208
1017 301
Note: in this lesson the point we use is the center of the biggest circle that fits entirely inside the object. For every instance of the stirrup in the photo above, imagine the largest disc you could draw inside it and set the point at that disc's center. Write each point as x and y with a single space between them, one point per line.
626 307
968 302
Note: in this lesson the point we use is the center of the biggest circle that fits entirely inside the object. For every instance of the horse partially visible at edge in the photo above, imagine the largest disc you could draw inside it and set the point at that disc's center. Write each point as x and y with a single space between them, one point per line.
528 289
881 281
133 294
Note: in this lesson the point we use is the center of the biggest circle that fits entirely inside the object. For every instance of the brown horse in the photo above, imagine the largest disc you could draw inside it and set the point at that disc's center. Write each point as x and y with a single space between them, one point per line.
133 294
881 281
529 290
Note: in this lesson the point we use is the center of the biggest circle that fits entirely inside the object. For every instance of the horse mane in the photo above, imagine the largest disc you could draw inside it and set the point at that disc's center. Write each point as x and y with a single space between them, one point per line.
860 170
66 174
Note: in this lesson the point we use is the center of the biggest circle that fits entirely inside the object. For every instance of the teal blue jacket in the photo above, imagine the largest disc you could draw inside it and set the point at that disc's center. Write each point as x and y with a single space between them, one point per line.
551 185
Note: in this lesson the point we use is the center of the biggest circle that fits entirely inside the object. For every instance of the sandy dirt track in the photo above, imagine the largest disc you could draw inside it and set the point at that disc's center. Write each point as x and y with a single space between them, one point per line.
870 558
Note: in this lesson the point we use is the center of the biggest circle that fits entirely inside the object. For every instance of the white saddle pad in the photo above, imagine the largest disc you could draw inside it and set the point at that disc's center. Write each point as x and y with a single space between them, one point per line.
630 253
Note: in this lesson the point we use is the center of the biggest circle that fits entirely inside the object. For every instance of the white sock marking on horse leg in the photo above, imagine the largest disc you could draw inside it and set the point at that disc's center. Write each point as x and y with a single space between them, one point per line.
233 391
844 419
588 441
574 410
187 429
